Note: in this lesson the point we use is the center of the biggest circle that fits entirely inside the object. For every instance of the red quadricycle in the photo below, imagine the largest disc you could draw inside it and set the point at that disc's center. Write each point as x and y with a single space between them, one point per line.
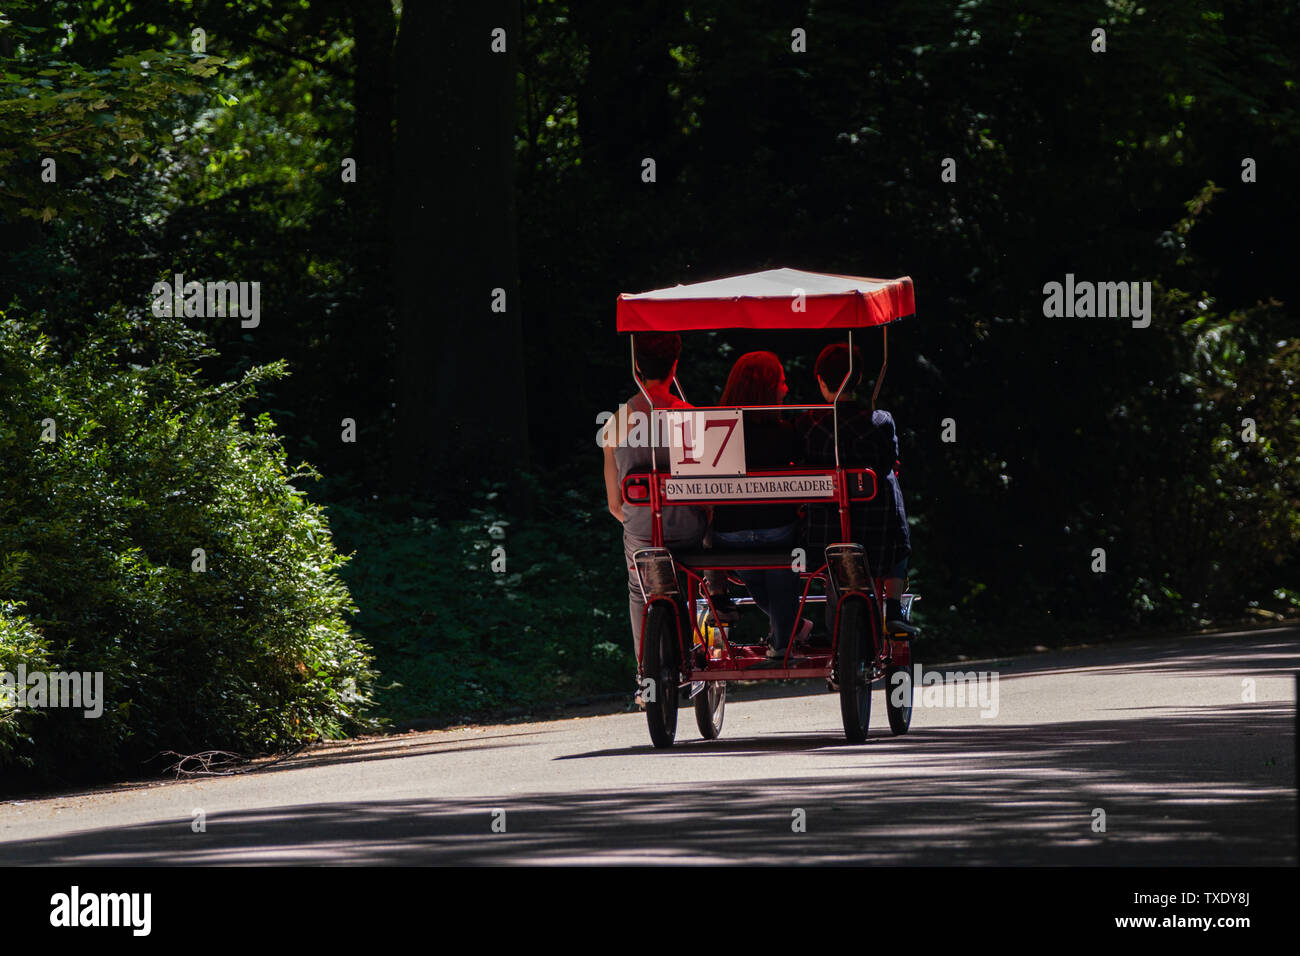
685 653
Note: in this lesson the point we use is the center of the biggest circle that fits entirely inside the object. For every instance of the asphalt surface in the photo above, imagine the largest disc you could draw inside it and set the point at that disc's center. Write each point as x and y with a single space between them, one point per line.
1183 749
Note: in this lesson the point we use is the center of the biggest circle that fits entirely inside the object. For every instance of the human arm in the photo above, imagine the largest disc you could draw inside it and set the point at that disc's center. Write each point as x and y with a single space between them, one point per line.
885 446
613 494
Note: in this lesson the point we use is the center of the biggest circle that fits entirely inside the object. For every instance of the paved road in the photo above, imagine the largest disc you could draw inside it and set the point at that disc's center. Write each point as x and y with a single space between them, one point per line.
1155 734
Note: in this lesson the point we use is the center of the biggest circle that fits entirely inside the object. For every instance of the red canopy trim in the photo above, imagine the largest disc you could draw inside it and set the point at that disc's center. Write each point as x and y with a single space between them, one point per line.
768 300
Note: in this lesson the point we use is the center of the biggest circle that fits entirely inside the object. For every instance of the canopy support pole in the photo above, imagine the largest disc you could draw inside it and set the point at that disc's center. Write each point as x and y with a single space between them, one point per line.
884 360
835 403
654 437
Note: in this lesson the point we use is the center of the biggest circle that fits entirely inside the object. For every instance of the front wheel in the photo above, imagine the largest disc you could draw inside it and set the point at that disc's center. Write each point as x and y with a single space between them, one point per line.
709 704
659 663
898 697
853 660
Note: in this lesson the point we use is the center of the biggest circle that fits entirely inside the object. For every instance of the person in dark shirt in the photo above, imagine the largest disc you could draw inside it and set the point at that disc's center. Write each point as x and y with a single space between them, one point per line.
868 439
758 379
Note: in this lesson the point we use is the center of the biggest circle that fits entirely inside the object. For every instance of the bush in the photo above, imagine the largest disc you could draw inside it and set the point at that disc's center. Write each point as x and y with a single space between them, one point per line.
20 643
463 641
242 646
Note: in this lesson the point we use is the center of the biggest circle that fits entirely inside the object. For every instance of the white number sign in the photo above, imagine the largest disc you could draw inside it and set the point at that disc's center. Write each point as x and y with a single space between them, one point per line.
706 441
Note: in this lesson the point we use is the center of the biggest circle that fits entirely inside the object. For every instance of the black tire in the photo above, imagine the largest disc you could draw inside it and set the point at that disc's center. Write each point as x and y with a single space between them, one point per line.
853 660
900 717
709 706
659 662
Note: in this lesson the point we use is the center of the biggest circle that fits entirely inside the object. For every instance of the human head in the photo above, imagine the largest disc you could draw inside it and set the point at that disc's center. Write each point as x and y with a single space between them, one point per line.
833 364
757 378
657 353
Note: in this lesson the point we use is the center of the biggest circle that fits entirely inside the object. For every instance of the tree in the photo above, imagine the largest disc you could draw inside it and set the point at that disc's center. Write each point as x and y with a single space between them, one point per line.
461 411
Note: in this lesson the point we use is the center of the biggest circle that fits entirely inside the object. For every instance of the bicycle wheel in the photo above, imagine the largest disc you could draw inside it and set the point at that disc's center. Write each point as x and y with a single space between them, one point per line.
659 662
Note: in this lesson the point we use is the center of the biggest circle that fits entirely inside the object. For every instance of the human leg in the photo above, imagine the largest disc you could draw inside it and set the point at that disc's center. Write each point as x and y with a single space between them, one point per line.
635 601
782 588
832 602
783 595
894 621
898 552
740 541
716 583
756 584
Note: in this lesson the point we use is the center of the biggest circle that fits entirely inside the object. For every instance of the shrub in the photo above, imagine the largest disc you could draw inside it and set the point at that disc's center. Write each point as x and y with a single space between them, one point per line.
463 641
20 643
244 646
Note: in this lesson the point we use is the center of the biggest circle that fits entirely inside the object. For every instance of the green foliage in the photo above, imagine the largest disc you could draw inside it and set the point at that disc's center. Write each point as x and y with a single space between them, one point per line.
1245 373
1071 435
95 122
20 643
242 181
98 531
461 640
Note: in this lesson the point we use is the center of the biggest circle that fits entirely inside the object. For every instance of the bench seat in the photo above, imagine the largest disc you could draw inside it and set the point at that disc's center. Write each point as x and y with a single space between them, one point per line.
740 560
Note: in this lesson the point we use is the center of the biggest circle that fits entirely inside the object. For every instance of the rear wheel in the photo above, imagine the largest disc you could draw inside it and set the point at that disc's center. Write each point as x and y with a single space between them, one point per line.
659 662
709 704
853 660
898 697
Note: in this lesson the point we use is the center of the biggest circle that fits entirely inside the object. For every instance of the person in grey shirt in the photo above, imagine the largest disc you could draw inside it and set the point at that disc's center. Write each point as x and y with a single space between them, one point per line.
625 440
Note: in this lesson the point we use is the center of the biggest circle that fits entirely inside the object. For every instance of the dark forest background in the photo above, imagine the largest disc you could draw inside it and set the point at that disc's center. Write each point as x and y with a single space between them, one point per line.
222 155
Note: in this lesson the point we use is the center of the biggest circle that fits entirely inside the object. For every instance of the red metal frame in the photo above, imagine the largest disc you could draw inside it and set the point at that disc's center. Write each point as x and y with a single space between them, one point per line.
656 500
734 664
773 299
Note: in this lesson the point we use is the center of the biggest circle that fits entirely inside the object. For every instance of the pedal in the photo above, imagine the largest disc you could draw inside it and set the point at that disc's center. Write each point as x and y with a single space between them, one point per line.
723 618
902 630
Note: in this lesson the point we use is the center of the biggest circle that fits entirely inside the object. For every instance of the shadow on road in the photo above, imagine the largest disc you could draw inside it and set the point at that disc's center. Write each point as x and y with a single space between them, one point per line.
978 795
1252 653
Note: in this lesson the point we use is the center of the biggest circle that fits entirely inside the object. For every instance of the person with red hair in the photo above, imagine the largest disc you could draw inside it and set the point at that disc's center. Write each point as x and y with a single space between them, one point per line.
757 378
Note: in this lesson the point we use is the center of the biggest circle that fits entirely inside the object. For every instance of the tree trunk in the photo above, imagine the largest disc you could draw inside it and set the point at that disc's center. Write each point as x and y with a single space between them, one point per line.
461 414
